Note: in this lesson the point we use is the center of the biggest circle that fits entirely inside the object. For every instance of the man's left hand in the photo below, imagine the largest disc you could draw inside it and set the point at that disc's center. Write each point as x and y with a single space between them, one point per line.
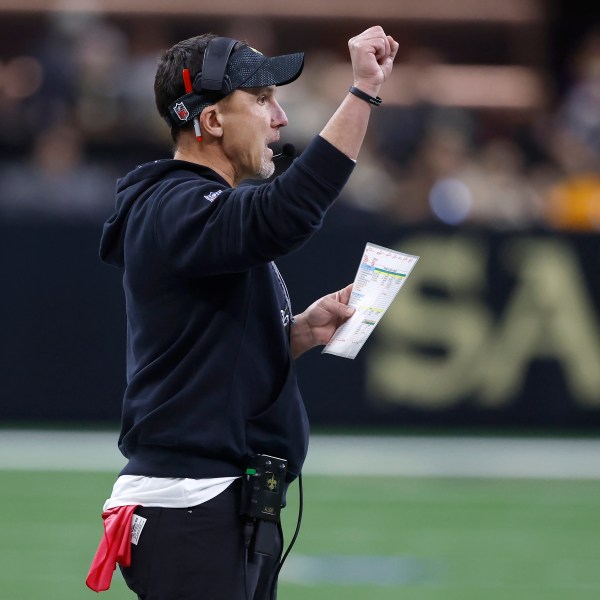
316 325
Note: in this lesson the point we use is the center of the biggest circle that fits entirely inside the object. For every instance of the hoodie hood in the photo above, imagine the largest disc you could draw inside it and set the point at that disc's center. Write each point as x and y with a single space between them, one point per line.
137 186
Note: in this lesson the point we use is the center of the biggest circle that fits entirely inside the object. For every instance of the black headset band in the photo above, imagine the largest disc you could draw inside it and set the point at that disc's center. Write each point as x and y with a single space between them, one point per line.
216 57
184 109
209 85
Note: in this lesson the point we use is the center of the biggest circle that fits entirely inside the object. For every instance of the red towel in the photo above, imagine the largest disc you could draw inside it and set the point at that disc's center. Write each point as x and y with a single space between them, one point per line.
114 547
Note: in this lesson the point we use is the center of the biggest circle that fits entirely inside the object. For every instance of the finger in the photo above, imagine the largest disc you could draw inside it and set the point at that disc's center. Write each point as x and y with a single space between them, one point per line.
375 30
386 41
336 309
344 294
373 39
374 44
394 46
343 298
344 311
381 48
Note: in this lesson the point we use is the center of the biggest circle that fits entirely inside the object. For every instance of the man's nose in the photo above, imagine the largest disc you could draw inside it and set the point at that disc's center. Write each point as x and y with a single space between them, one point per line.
279 117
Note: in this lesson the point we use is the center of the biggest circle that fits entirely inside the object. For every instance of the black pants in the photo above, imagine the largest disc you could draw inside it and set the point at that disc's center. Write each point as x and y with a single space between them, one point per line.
198 553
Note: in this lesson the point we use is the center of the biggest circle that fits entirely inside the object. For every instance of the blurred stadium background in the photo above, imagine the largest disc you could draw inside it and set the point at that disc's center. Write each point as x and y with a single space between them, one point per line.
457 456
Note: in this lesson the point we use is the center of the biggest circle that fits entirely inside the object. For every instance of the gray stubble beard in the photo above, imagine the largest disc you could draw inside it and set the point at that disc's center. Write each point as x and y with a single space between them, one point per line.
267 168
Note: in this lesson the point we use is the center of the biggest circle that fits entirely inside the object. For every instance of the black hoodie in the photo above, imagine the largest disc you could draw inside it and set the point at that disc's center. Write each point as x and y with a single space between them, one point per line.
210 376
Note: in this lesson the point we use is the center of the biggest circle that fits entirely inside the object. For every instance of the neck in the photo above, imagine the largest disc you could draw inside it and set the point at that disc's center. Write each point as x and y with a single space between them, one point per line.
206 154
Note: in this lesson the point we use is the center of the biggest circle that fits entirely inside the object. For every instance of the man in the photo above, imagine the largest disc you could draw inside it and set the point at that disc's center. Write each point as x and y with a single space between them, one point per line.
211 340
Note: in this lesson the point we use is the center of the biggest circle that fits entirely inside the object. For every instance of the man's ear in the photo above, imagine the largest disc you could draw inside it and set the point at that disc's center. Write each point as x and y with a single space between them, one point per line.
211 122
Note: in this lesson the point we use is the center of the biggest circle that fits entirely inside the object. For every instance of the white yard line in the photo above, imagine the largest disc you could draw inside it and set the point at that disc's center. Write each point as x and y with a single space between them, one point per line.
456 457
410 456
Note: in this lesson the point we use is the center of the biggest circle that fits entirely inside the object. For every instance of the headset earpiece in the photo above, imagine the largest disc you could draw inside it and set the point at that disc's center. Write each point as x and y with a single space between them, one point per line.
212 78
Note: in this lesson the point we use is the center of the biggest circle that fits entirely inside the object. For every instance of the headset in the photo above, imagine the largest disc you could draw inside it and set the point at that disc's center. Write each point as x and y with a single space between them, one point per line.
209 84
212 78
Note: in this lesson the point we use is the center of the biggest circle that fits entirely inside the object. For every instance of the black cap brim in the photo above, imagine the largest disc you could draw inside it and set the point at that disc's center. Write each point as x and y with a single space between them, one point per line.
248 68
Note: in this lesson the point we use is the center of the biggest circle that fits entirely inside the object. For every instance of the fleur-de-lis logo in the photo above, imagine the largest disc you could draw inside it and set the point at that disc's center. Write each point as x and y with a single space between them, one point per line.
272 483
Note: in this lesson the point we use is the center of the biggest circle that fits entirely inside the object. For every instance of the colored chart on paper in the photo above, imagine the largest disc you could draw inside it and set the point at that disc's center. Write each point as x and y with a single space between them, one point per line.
380 276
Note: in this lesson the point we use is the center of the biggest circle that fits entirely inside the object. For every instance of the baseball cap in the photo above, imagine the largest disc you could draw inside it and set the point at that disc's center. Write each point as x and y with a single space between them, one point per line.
246 68
249 68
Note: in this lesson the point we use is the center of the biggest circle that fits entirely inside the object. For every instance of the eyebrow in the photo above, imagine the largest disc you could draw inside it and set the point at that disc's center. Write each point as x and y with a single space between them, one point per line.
267 89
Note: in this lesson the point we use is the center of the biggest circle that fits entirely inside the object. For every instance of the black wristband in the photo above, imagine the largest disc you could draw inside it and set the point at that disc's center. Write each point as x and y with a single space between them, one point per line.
363 96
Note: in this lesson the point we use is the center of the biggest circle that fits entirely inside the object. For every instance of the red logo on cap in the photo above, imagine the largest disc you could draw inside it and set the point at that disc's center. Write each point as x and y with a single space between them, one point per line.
181 111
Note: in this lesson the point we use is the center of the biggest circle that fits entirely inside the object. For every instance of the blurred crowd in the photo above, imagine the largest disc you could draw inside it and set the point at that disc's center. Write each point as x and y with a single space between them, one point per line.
77 111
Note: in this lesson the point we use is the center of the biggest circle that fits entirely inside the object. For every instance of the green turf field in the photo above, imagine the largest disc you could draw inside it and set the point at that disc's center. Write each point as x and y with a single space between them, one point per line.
361 538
